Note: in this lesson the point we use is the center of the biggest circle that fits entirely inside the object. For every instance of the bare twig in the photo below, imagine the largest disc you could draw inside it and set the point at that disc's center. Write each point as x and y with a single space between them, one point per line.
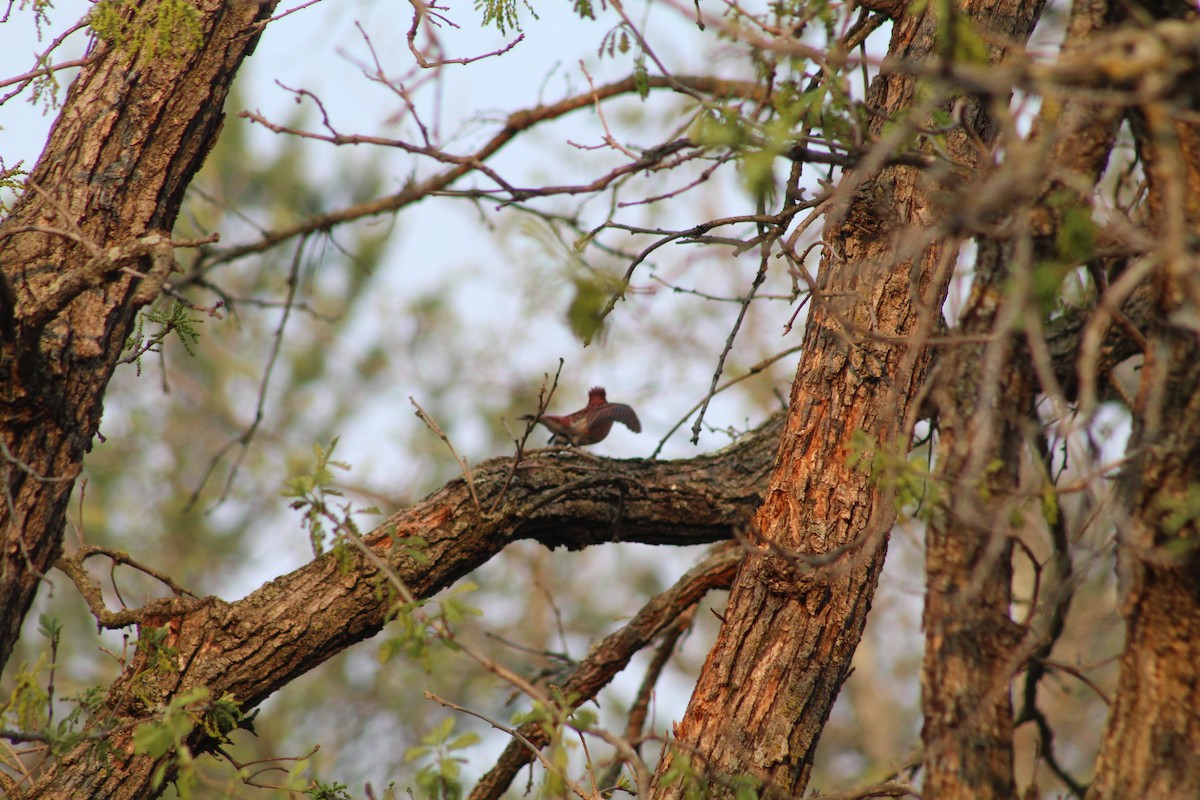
45 67
737 325
544 397
613 653
243 439
462 462
73 567
640 710
754 370
534 751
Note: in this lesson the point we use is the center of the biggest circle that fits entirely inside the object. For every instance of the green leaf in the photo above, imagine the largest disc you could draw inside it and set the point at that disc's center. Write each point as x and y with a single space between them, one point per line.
641 80
585 314
1076 239
463 741
49 626
154 739
723 128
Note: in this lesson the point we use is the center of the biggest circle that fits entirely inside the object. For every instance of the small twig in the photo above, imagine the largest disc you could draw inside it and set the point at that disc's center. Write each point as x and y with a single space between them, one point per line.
885 789
543 403
244 438
289 12
112 578
613 653
30 471
44 58
1080 675
609 139
462 464
754 370
1046 751
460 166
430 9
90 590
640 710
515 734
54 640
715 298
1059 602
251 778
378 75
120 556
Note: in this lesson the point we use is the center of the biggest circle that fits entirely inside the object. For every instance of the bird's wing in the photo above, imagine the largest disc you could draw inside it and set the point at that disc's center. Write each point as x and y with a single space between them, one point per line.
618 412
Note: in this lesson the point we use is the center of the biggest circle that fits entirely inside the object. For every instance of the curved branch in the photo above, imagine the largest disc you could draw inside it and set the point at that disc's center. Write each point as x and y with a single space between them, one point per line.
515 124
610 656
251 647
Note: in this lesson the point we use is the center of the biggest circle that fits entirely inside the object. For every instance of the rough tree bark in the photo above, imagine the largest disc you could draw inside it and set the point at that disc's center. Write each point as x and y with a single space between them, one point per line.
252 647
86 246
984 400
1151 745
799 604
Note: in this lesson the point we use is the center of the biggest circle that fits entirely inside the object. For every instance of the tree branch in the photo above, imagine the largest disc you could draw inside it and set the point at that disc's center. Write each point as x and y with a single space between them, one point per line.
610 656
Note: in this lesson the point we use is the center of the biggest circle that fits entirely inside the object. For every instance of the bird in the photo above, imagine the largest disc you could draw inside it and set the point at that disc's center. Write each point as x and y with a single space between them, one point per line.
589 424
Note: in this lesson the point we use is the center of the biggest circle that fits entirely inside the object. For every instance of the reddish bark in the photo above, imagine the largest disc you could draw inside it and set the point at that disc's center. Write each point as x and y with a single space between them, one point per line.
798 607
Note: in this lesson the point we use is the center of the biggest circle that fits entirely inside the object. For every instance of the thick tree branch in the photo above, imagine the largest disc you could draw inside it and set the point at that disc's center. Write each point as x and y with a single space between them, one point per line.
254 646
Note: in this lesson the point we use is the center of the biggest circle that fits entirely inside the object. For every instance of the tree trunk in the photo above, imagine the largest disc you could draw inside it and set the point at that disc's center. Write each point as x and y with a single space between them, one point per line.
1151 745
798 606
984 402
84 249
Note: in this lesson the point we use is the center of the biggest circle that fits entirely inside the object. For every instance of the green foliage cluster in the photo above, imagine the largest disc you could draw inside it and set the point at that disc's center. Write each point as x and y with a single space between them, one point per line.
594 290
793 113
504 13
30 708
44 89
556 717
959 39
1074 246
907 476
440 777
698 786
12 183
168 734
30 705
41 14
312 493
168 28
176 318
420 624
1180 515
